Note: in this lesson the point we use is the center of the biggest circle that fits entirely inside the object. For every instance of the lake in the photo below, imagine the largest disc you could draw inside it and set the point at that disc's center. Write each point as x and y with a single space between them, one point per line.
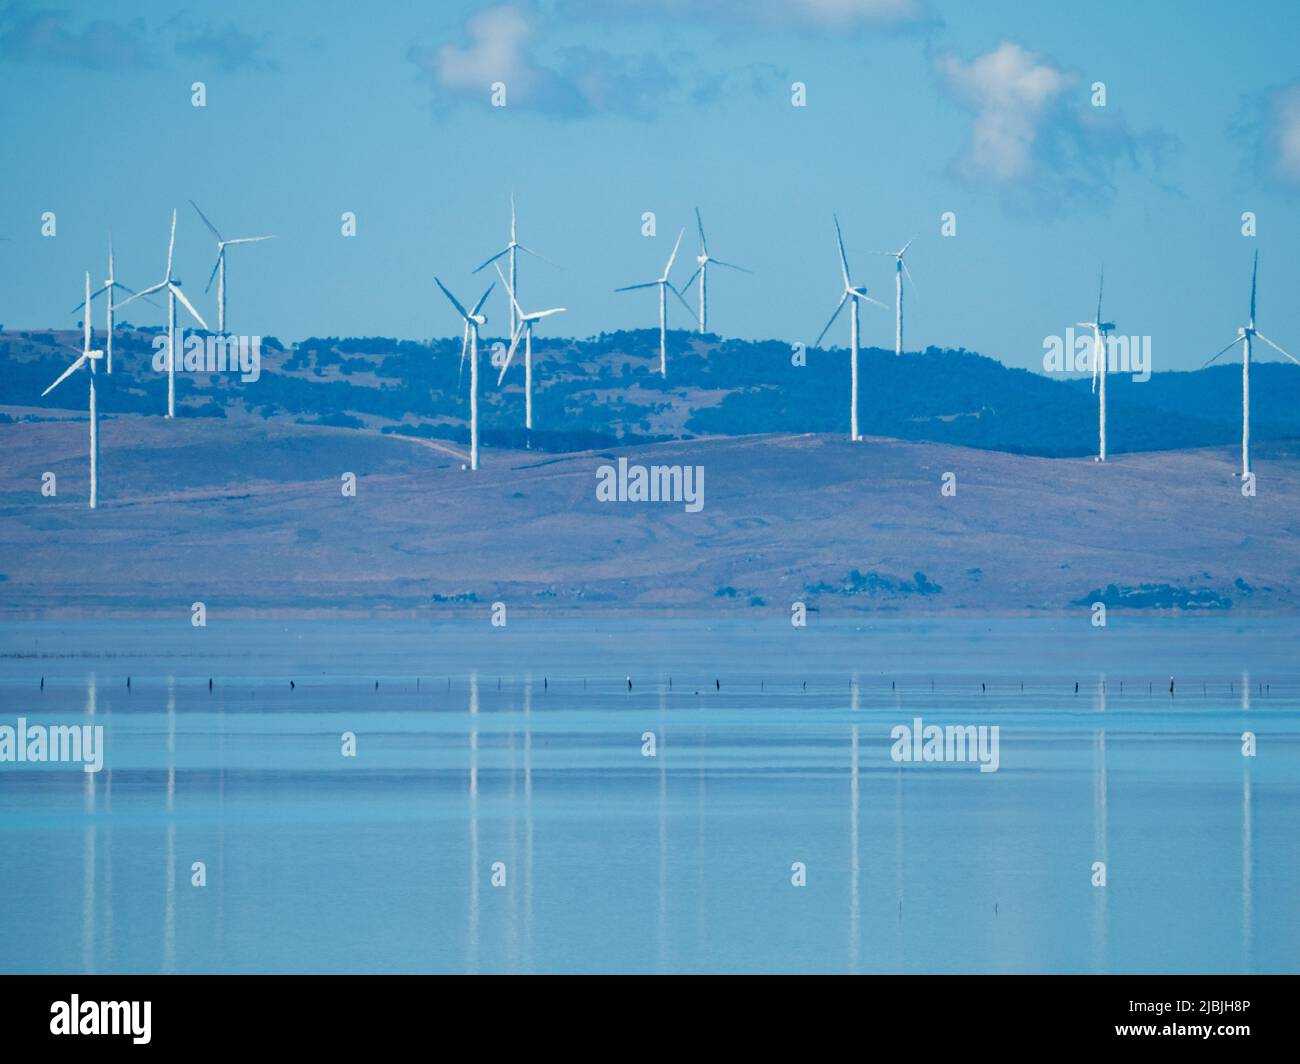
501 812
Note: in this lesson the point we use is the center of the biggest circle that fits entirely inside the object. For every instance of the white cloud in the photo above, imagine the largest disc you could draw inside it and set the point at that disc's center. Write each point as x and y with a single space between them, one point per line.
495 53
805 14
1286 133
1011 92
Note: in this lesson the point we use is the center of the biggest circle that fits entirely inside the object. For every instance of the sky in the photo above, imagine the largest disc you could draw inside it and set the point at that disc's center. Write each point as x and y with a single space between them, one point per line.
613 109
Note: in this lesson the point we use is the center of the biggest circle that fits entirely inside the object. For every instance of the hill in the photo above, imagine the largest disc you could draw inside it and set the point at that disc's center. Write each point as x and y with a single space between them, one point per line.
247 515
606 390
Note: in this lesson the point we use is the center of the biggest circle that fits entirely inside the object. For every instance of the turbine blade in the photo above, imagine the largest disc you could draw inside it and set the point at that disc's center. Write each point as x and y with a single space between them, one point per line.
633 287
506 285
1253 274
483 298
545 313
171 245
249 240
65 375
1224 351
1100 285
188 305
210 226
537 256
910 280
93 295
867 299
215 266
731 265
141 294
691 279
489 262
699 223
454 301
1278 349
843 299
903 250
689 309
514 343
844 259
671 258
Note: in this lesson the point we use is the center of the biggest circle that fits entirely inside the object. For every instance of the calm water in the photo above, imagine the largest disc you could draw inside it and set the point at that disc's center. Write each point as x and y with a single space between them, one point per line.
524 746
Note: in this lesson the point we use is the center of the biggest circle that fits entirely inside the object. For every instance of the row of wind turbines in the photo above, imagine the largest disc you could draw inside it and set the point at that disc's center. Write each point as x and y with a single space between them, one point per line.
90 357
522 324
1102 329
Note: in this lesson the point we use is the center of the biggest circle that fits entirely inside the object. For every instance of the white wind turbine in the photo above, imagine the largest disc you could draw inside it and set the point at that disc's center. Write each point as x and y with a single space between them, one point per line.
512 249
88 358
857 293
661 283
1100 347
702 270
219 267
474 320
1244 336
900 268
109 285
525 328
172 287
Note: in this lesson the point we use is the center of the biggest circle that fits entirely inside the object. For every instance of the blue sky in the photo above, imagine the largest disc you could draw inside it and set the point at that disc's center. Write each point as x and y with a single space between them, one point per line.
613 109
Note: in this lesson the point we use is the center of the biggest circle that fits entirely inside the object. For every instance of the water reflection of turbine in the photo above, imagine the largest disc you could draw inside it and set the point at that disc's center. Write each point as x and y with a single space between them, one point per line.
663 833
473 822
1099 818
528 825
854 903
88 851
169 904
898 838
1247 839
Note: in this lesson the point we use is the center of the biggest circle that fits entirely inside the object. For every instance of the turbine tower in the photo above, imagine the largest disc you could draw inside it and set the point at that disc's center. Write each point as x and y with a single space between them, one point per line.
512 249
900 268
526 322
662 283
172 287
702 270
1100 332
109 284
219 267
88 358
474 320
858 293
1245 335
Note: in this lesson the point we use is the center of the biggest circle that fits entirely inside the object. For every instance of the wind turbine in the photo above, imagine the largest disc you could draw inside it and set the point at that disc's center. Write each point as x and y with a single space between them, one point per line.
512 249
172 287
88 358
704 258
474 320
662 283
219 267
1244 336
858 293
900 268
108 286
526 322
1100 332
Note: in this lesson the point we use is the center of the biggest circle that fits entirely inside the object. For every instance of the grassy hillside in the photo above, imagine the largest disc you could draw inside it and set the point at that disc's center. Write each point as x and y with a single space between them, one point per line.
606 390
246 515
